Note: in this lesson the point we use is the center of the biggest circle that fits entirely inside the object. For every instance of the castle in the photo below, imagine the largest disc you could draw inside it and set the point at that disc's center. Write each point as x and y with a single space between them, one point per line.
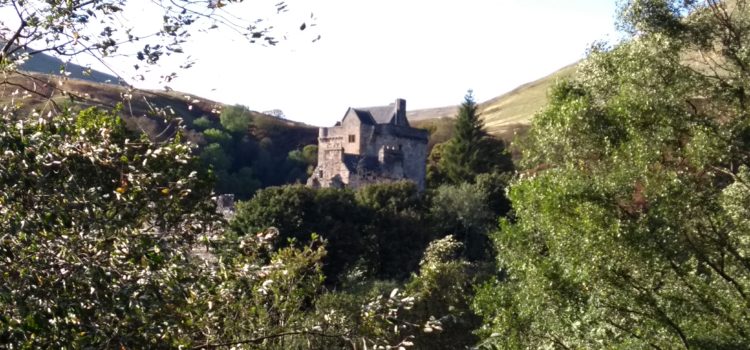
371 145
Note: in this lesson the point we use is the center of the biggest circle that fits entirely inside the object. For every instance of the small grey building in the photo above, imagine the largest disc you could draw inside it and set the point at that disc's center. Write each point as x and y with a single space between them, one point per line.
371 145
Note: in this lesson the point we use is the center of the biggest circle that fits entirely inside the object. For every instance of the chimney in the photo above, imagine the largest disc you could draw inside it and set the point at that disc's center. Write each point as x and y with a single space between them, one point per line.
401 112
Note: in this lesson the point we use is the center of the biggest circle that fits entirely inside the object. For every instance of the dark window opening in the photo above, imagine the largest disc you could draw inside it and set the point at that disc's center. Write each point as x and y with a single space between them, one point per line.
352 138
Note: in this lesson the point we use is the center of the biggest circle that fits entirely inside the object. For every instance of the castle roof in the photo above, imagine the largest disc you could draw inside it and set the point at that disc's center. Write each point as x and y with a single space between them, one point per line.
383 114
394 113
364 116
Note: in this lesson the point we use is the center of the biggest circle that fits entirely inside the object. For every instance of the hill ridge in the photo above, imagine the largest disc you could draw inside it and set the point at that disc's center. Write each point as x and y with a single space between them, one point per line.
505 113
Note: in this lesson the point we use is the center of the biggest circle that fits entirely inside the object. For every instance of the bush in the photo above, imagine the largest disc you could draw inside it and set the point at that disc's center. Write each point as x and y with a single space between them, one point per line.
202 123
236 118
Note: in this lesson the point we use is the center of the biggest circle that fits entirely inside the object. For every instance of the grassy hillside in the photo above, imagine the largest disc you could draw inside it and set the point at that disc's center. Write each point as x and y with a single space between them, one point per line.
145 110
518 106
267 153
503 115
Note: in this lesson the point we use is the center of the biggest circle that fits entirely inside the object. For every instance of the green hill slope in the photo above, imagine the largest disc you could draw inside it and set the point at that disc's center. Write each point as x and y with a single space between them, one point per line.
519 105
503 115
266 154
43 92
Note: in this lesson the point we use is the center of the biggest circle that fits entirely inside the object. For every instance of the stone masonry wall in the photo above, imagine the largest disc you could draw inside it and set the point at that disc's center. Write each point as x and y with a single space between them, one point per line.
410 145
414 150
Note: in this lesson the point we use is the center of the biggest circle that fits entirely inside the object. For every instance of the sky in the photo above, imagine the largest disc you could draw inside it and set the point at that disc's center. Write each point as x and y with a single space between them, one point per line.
429 52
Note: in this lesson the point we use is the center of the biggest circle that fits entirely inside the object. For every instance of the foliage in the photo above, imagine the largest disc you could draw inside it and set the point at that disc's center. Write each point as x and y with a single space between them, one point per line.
111 241
435 174
471 151
396 227
443 292
463 210
431 311
202 123
306 158
627 229
236 119
310 154
243 183
96 230
297 211
217 136
377 229
101 28
259 296
214 156
260 157
495 185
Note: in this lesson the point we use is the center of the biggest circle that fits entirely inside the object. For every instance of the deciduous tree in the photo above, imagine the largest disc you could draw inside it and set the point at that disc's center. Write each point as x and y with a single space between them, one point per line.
627 230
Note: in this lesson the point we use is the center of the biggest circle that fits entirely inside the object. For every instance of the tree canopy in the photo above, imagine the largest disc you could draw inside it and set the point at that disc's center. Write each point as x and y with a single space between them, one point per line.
626 227
629 226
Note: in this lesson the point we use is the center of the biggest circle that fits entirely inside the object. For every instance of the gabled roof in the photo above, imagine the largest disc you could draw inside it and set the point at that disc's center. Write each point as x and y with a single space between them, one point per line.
364 116
380 115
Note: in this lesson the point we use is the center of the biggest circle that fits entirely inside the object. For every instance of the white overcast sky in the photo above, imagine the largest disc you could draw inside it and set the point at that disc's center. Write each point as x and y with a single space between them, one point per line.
428 52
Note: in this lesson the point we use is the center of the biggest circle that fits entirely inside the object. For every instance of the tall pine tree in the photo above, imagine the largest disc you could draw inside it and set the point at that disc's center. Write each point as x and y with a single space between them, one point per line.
472 151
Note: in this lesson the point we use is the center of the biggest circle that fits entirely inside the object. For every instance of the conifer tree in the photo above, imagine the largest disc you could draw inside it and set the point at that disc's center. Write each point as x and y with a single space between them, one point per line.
471 151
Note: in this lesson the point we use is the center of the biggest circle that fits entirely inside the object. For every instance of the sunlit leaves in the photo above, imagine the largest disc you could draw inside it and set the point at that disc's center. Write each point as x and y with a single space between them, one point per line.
627 230
96 229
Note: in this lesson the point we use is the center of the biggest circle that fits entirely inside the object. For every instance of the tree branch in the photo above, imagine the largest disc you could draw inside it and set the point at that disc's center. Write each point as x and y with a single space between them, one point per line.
267 337
9 44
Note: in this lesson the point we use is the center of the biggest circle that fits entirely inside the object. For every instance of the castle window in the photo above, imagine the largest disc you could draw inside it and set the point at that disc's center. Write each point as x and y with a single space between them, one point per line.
352 138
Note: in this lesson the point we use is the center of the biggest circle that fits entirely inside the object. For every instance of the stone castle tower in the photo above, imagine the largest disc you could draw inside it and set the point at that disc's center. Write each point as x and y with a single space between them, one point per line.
371 145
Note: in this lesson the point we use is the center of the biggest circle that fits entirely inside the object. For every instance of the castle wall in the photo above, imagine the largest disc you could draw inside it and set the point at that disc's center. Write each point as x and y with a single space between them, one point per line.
331 170
414 150
401 152
351 126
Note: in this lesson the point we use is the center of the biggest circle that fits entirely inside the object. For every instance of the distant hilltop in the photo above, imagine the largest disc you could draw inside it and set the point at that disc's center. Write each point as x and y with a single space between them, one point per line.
47 64
506 112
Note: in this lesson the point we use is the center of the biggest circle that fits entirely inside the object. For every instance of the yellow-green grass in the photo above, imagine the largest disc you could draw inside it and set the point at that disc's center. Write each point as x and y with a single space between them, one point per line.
506 114
156 113
502 113
440 129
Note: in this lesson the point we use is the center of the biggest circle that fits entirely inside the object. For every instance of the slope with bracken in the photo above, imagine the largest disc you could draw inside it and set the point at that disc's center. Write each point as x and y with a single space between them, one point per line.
150 111
267 154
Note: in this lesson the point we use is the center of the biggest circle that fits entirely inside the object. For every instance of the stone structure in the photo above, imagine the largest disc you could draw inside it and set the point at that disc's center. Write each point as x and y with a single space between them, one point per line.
371 145
225 205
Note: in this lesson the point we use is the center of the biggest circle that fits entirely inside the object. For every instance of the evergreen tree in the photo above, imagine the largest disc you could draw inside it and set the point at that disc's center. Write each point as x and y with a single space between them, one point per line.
472 151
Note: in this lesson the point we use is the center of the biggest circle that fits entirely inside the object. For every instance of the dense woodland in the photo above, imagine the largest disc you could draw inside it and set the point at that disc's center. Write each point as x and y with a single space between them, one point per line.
624 223
247 151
